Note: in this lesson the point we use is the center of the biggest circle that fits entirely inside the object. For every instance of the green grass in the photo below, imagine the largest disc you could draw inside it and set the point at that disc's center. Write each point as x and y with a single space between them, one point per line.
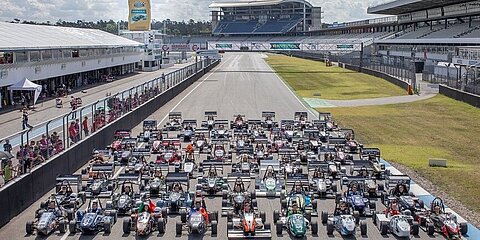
308 78
412 133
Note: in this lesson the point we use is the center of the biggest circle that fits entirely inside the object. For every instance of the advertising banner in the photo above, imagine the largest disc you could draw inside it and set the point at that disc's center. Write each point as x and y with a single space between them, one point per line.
285 46
180 47
139 17
223 46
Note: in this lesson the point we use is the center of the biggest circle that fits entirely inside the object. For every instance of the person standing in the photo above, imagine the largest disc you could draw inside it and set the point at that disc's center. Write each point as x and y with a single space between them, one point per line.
25 120
85 126
72 132
77 129
7 147
74 105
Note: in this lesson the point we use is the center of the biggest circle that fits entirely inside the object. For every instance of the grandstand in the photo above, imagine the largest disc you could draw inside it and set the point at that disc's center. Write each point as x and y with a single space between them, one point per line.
264 17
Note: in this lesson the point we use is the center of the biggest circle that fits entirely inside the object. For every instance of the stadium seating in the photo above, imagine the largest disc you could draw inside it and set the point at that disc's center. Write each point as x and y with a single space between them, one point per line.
456 30
281 26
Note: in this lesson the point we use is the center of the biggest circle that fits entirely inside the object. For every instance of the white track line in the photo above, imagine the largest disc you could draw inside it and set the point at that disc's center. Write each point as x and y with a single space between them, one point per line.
191 91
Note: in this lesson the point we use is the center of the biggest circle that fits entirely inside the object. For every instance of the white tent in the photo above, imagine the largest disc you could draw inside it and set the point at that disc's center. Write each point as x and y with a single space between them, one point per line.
26 85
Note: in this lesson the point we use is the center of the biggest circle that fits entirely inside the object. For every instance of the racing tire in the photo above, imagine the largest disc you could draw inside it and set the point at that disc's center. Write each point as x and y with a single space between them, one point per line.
374 218
276 216
43 205
373 206
198 187
253 195
334 187
363 228
314 226
84 171
315 205
229 226
308 216
430 229
183 216
164 214
330 228
284 203
267 226
127 222
257 186
254 203
178 228
356 215
263 216
324 217
224 202
72 227
161 223
214 228
224 195
29 227
82 196
200 169
380 187
73 204
62 226
415 228
383 228
421 204
279 228
107 227
114 215
463 228
70 214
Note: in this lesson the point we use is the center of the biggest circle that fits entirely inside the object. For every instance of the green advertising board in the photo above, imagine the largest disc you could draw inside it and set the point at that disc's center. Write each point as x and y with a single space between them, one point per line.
284 46
223 45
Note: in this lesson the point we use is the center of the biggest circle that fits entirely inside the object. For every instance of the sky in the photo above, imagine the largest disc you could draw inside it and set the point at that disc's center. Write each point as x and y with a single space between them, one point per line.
93 10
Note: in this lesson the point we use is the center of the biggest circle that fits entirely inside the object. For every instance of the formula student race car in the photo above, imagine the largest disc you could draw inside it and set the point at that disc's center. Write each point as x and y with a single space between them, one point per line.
101 185
188 127
355 198
174 122
343 220
146 219
239 122
248 224
272 183
211 183
93 219
49 218
437 219
124 202
68 194
400 224
269 120
233 200
176 200
294 217
198 220
210 120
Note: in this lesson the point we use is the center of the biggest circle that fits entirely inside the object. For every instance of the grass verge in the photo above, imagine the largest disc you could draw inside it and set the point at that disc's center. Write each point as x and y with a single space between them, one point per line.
411 133
309 78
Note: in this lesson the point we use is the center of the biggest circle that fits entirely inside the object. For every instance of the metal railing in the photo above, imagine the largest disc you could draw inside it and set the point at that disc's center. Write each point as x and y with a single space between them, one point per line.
32 146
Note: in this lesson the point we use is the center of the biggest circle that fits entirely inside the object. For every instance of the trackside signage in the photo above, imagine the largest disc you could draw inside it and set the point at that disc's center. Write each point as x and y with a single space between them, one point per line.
180 47
285 46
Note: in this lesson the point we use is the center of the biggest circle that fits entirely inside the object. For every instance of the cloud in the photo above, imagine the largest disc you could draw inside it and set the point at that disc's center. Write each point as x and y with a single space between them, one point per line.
93 10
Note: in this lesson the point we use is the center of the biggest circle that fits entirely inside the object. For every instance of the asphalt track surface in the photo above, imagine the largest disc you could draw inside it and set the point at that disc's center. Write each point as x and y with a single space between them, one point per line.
242 83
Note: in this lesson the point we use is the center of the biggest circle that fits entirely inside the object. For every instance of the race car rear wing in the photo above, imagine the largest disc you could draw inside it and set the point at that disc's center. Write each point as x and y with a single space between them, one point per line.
180 177
294 177
245 177
103 167
211 113
122 133
371 152
268 114
210 162
393 180
245 150
299 115
264 164
199 131
313 165
287 152
254 122
129 141
175 115
260 140
191 122
104 153
346 180
128 177
149 124
324 117
69 180
284 123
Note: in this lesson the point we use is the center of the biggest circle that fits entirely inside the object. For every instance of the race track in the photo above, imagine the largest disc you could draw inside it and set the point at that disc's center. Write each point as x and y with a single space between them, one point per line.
242 84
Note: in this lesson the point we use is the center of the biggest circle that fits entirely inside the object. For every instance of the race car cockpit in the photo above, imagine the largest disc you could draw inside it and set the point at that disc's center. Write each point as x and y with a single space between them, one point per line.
269 173
400 190
239 187
212 171
342 209
353 190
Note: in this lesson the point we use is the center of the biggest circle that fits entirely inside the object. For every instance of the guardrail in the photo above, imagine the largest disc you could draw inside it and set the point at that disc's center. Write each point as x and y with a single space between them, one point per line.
30 150
459 95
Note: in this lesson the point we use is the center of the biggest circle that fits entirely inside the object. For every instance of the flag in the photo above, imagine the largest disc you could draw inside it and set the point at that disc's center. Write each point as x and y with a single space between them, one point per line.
151 206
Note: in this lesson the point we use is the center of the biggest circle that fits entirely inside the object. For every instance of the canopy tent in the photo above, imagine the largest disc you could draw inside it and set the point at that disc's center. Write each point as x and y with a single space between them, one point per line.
26 85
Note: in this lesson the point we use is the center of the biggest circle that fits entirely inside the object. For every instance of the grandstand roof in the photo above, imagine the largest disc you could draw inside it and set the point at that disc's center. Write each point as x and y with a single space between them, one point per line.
30 37
253 3
431 41
398 7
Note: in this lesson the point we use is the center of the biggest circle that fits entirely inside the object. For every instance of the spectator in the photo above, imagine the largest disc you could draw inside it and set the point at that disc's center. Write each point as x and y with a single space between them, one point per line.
25 120
72 132
85 126
7 147
77 129
44 146
74 105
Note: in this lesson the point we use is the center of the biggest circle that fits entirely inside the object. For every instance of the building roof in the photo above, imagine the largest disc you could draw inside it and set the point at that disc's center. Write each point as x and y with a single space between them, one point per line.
30 37
431 41
398 7
253 3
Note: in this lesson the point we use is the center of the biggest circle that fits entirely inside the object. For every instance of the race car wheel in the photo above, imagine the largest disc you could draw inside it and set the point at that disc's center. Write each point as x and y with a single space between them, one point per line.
39 213
383 228
126 225
381 187
214 228
463 228
178 228
70 214
330 228
284 203
430 229
415 228
72 227
263 216
107 226
279 229
314 205
267 226
164 214
374 218
229 216
324 217
224 195
161 225
62 226
308 216
334 187
254 203
253 195
314 226
363 228
224 202
257 186
356 215
198 187
276 216
29 228
43 205
183 216
73 204
229 226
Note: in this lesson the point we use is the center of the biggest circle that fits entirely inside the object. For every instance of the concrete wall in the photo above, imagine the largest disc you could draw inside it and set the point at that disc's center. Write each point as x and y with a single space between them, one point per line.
456 94
28 188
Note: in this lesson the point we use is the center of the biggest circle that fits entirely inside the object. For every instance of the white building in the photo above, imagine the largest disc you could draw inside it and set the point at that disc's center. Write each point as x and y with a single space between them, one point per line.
55 56
152 47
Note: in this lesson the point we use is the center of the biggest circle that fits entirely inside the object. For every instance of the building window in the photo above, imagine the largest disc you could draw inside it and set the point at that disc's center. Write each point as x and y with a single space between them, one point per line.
47 54
75 53
6 58
38 70
21 57
35 56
